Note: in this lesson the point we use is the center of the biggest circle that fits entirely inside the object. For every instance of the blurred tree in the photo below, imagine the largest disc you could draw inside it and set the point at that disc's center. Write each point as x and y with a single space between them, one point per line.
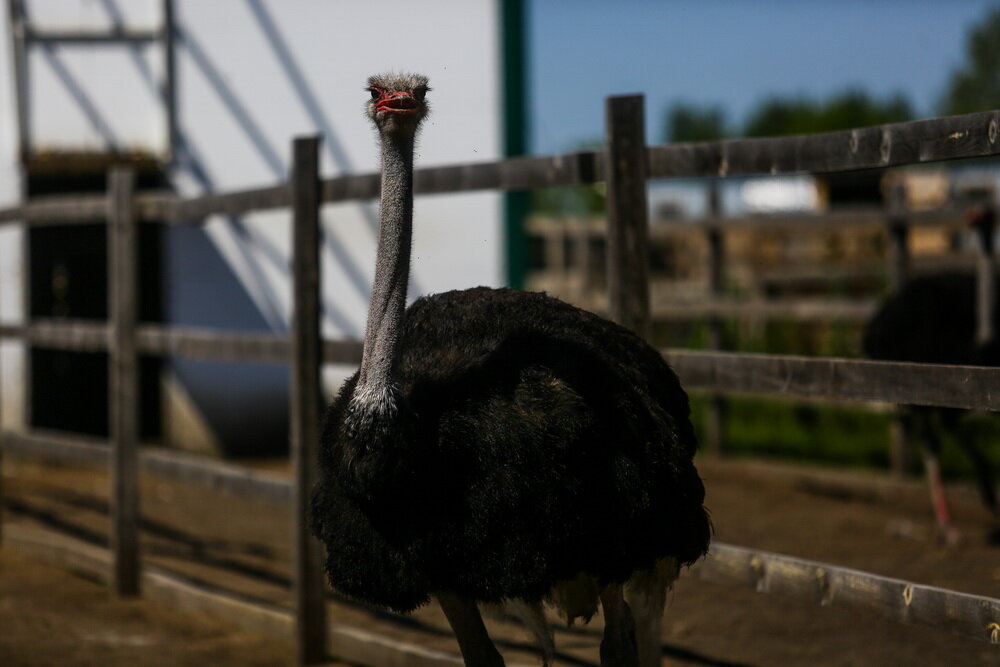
975 85
852 108
689 122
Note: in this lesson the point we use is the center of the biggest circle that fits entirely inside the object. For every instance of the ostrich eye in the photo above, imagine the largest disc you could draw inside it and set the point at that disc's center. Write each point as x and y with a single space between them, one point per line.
375 93
419 93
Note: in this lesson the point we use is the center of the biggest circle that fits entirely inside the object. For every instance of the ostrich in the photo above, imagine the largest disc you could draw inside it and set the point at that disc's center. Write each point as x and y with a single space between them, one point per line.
932 319
499 447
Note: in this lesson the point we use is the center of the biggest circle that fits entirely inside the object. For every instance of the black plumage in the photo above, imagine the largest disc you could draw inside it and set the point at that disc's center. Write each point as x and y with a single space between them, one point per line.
534 442
932 319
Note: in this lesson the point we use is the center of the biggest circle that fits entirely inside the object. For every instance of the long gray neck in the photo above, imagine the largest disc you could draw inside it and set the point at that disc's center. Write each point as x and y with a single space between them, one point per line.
376 386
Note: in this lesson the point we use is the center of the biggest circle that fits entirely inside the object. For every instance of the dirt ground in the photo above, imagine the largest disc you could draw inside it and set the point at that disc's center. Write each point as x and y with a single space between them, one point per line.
50 616
857 520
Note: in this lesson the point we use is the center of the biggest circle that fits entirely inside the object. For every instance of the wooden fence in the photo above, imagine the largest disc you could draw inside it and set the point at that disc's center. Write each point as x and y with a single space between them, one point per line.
625 164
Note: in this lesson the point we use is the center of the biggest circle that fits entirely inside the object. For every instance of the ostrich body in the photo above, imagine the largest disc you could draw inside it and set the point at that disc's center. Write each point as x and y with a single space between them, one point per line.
498 446
932 319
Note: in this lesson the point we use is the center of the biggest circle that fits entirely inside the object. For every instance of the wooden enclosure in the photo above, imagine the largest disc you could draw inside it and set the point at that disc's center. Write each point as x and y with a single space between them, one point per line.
625 165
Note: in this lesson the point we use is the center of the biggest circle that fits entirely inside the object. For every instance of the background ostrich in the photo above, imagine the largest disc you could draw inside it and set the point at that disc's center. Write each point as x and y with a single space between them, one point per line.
932 319
502 446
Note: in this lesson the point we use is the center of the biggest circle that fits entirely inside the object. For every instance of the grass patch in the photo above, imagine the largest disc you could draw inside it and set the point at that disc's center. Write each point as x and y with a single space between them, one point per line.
832 434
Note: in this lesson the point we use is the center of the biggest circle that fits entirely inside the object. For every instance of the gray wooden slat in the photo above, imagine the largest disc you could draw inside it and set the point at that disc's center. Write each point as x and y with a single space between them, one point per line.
232 204
898 268
898 258
191 342
18 33
973 616
79 335
986 277
847 379
224 478
952 137
59 210
808 223
715 414
124 380
196 343
113 36
809 581
970 387
628 218
309 585
168 82
970 135
852 310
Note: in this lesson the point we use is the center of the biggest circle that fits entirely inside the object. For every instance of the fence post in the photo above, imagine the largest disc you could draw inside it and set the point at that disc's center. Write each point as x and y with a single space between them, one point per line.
306 396
123 368
628 218
902 457
986 276
715 415
898 259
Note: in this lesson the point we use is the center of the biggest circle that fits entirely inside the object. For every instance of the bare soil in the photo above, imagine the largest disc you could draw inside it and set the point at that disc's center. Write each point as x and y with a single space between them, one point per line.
50 616
858 520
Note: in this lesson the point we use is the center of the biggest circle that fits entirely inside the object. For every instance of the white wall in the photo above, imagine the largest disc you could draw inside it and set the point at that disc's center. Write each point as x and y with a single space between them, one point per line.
10 239
242 129
251 75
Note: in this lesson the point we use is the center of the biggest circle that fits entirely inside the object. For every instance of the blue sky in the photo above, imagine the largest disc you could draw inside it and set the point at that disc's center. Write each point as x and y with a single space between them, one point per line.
732 54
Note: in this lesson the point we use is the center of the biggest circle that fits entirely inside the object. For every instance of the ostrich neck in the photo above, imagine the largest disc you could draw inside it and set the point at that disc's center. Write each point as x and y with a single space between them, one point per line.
392 268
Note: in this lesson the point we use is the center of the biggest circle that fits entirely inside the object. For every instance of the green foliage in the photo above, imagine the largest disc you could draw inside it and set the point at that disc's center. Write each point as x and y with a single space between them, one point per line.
779 116
689 122
581 201
834 434
975 85
571 200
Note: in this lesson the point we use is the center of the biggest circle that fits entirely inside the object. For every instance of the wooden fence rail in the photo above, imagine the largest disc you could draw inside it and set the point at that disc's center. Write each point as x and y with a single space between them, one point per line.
969 387
626 164
954 137
807 581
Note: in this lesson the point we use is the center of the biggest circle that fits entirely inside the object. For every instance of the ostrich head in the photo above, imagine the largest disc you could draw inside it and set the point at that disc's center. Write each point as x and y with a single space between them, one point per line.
397 101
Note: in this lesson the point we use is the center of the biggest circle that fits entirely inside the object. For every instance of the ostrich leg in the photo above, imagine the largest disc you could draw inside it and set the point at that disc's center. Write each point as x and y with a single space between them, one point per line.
980 463
646 594
930 447
467 623
618 647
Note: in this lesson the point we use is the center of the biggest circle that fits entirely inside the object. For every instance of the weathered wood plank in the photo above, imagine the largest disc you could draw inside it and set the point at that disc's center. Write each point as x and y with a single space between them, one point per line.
970 135
59 210
123 401
953 137
852 218
79 335
715 414
628 217
197 343
191 342
986 277
232 204
852 310
224 478
898 269
970 387
309 585
898 257
901 601
115 35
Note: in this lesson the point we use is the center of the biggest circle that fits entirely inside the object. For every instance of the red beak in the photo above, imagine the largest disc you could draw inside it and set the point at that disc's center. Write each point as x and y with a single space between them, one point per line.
398 103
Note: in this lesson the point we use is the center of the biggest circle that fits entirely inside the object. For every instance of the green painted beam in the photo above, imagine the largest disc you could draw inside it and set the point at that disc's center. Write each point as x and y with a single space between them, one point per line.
515 133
